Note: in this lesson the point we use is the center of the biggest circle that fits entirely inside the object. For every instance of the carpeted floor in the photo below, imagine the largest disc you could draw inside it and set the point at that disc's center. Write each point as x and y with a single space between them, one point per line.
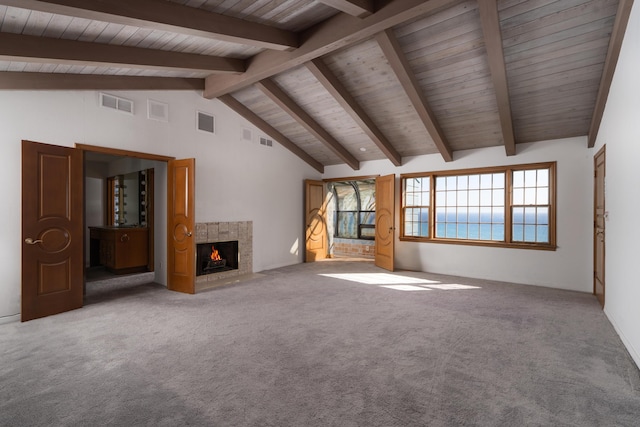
323 344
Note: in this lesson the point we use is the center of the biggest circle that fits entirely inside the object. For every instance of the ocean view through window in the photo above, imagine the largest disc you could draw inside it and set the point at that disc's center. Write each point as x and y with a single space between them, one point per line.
502 206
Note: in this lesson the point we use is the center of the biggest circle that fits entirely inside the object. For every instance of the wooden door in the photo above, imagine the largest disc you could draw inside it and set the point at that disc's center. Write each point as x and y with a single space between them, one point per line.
316 241
599 217
385 221
52 230
181 247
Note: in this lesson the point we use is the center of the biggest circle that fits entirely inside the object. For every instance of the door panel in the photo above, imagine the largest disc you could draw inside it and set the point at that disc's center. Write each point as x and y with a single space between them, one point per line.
52 230
385 222
181 263
316 225
599 226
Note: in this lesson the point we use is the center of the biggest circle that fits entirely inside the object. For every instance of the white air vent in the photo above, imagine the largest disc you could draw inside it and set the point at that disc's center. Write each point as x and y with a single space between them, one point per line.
157 110
265 141
116 103
206 122
247 135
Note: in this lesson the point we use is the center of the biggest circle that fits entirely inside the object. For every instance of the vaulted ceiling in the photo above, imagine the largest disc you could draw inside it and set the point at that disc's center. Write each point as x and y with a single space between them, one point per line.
339 81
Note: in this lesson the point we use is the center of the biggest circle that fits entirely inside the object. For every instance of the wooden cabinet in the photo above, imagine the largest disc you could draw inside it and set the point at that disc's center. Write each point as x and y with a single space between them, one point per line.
121 250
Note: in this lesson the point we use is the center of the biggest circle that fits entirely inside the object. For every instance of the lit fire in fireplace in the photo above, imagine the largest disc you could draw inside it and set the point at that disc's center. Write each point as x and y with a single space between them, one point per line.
215 256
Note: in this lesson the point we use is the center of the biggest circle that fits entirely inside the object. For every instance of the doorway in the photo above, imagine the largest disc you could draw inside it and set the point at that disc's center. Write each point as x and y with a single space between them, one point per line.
120 211
599 220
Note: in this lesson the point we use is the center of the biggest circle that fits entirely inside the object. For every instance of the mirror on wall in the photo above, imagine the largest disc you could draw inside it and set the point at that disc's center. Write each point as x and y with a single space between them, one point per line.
128 199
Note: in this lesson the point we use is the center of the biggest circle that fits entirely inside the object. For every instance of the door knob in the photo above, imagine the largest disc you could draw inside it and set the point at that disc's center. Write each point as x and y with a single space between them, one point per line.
188 234
30 241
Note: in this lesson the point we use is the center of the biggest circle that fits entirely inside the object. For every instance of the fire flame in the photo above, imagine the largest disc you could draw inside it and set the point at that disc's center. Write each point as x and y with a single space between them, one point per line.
215 255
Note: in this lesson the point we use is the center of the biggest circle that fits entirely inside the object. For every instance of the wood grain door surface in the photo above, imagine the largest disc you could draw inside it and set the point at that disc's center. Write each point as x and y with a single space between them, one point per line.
599 226
385 222
52 230
181 247
316 226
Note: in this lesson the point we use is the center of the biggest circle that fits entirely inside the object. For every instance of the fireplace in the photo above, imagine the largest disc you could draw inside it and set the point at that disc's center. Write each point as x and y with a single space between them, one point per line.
216 257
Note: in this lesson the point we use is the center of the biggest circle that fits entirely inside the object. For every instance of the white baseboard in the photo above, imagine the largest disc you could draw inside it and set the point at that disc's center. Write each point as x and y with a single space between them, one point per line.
10 319
635 355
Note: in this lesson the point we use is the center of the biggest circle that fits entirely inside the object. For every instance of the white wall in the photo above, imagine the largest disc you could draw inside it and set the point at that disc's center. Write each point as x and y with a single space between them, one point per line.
567 268
236 180
620 131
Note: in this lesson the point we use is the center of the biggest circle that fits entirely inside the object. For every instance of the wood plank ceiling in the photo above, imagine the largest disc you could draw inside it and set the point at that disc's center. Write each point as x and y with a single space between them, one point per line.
339 81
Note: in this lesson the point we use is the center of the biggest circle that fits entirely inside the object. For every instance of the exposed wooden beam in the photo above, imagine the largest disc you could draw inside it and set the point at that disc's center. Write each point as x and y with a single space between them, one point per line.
167 16
265 127
351 106
357 8
495 55
59 81
335 33
283 100
15 47
400 65
615 44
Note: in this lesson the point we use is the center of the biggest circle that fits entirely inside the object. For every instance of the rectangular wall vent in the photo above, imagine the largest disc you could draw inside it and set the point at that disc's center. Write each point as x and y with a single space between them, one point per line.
157 110
266 142
247 135
205 122
116 103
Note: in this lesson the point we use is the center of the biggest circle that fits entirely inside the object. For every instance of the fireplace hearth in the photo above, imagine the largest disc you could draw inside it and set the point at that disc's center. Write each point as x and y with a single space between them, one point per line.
216 257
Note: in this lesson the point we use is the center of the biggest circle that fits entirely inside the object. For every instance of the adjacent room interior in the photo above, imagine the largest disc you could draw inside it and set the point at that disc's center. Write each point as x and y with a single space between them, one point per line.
356 195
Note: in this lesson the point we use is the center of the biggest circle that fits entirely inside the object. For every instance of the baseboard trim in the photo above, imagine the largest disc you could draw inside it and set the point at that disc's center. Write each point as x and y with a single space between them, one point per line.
10 319
635 355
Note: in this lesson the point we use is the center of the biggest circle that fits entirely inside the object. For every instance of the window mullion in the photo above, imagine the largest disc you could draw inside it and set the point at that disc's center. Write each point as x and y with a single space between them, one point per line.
432 207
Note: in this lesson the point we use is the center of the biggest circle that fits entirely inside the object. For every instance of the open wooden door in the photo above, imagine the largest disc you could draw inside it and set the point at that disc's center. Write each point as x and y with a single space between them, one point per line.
181 247
599 215
385 221
316 226
52 230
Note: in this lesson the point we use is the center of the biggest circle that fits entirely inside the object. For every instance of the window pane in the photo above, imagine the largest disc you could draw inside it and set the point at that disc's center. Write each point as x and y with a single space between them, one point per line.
518 233
440 214
543 234
462 215
451 214
518 178
518 216
543 216
474 198
451 230
485 181
474 215
440 230
368 218
441 198
462 231
542 196
529 215
529 233
451 182
543 177
498 215
485 197
451 198
485 215
474 231
497 232
498 180
530 178
462 198
498 197
530 196
463 182
441 183
474 182
485 231
347 225
518 196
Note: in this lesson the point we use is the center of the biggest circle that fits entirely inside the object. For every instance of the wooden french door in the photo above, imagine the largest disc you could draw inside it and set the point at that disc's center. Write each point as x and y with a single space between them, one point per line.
599 218
385 221
52 230
181 247
316 226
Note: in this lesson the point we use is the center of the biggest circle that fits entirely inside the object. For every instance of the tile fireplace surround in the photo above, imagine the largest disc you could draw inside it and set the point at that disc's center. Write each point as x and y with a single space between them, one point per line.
242 231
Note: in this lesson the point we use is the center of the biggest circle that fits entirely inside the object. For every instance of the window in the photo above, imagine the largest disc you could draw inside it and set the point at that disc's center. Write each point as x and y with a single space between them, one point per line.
507 206
355 213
